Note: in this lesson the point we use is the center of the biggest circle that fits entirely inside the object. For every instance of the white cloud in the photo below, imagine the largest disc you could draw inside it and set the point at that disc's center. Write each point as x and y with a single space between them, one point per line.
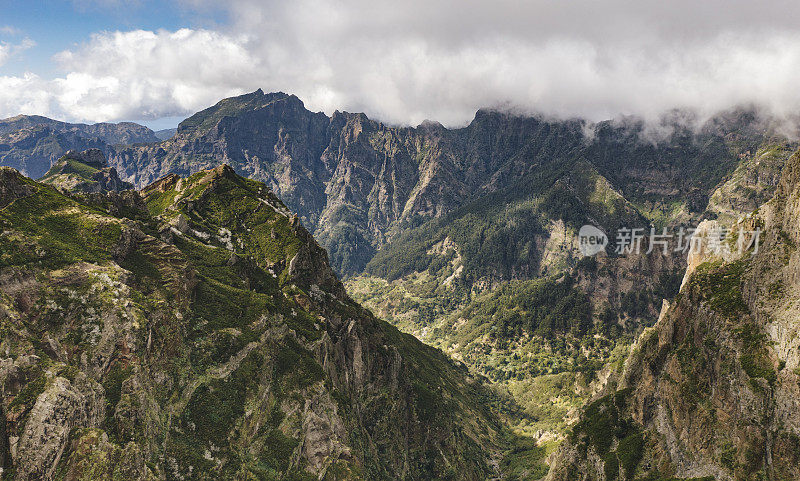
137 74
144 74
7 50
406 61
9 30
25 94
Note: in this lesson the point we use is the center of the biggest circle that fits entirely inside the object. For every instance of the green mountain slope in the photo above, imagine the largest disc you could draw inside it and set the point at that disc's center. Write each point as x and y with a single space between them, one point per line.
501 286
201 334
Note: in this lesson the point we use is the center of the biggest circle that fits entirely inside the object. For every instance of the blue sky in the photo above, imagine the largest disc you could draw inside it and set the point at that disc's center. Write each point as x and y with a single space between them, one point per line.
55 26
398 61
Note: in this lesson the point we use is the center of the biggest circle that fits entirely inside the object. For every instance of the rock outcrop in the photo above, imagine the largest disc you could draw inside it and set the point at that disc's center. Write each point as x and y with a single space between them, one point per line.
62 407
13 186
86 172
5 448
93 158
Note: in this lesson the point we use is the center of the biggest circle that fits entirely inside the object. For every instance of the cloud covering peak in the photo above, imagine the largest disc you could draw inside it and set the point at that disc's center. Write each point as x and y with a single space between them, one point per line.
403 62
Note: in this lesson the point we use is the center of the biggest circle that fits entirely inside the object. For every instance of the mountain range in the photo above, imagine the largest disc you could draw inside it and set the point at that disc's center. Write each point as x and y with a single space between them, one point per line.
467 239
359 184
31 143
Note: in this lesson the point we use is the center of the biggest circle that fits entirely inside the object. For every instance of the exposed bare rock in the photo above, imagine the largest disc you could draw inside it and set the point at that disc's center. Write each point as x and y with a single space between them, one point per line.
5 448
62 407
12 186
91 157
86 172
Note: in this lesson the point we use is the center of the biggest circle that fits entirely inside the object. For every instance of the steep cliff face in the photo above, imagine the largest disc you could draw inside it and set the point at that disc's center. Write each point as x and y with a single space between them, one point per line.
359 184
712 389
751 184
198 332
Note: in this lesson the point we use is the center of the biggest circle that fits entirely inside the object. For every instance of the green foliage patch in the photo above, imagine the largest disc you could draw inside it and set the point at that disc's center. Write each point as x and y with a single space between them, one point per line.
525 461
544 307
754 356
721 285
614 437
63 230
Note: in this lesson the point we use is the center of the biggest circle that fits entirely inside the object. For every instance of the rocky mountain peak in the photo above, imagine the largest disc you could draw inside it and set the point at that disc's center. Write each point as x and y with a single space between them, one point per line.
223 170
429 124
85 171
246 217
206 120
163 184
91 157
13 185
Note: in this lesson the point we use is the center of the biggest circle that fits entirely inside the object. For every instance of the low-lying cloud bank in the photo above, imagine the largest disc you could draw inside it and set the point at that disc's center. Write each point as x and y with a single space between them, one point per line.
403 62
